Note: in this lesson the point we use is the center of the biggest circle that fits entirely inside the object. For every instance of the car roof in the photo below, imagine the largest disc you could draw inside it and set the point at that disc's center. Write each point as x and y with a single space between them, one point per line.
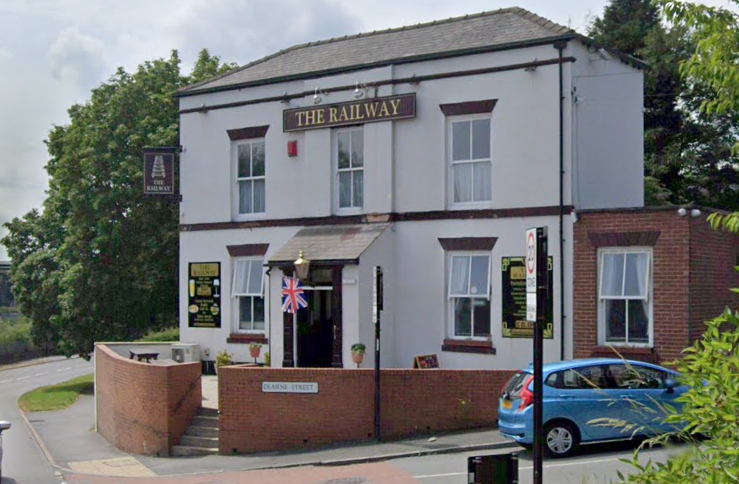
563 365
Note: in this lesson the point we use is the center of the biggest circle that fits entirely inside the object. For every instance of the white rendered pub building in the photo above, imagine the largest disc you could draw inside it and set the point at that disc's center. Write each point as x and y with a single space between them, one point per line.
427 150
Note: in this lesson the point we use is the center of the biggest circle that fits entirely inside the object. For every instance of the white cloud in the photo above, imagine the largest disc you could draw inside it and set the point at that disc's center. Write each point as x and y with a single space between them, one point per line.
76 58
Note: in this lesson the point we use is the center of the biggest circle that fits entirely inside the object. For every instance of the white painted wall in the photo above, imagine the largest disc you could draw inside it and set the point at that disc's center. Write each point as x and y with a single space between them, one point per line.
420 291
405 171
608 132
210 246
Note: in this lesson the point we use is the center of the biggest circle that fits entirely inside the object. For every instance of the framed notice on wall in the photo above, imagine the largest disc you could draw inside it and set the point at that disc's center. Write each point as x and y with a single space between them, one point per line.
513 286
204 294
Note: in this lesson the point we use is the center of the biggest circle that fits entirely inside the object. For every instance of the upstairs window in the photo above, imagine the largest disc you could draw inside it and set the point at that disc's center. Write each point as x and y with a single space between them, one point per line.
470 163
624 303
250 177
350 168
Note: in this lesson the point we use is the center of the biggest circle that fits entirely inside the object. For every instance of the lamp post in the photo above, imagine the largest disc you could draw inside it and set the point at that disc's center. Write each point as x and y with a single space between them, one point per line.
301 266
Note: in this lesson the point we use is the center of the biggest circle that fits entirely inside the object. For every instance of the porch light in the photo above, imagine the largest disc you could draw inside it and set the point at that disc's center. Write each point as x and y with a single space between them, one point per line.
301 266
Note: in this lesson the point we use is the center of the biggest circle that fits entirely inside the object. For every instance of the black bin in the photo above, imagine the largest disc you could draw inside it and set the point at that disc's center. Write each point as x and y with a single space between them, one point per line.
493 469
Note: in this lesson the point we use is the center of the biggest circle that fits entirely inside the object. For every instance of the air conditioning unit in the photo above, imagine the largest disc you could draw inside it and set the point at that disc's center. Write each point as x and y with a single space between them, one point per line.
185 352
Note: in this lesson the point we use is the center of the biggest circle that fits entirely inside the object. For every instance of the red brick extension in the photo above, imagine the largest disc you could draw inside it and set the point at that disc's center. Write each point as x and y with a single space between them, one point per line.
693 271
413 401
143 408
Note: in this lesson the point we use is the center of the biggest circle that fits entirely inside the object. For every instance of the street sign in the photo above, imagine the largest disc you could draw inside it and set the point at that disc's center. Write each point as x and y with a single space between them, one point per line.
531 307
531 260
531 285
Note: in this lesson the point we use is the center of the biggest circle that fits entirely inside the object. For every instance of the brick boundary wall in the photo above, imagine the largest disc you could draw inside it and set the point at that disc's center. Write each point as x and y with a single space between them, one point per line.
143 408
692 272
413 402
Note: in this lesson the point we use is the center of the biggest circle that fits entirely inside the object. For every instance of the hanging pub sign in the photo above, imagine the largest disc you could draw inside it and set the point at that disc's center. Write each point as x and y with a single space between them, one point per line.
159 171
513 284
204 294
353 112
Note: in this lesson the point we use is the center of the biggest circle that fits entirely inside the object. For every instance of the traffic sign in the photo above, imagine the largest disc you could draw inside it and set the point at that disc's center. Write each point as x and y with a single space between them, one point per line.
531 261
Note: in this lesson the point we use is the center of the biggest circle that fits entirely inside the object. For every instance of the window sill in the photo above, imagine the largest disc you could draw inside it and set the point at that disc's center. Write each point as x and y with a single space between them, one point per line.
246 217
468 346
640 353
245 338
470 205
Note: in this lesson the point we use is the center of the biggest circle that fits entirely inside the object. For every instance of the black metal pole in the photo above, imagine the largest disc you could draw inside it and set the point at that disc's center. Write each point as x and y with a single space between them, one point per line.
541 304
377 309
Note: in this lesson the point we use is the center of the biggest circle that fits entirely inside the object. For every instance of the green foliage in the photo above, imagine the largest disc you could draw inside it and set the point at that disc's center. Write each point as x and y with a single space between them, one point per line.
224 358
688 157
710 368
358 348
57 397
714 62
163 335
99 262
15 330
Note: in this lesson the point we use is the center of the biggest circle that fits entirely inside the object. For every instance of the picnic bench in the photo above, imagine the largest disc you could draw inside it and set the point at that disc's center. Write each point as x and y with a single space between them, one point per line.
142 355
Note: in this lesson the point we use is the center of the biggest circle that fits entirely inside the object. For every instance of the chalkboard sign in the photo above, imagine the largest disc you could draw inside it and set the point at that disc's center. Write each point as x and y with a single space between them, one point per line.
204 296
425 361
513 286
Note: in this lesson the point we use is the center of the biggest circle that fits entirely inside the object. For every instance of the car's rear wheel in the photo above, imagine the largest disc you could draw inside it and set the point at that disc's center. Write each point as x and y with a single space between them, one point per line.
561 438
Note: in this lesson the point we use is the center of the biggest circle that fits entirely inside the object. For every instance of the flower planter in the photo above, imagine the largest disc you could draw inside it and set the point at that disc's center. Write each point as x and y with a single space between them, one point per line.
358 358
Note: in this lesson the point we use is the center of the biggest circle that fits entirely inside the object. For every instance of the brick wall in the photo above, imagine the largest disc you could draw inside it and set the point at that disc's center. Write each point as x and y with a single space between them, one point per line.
692 272
671 270
144 408
713 255
413 401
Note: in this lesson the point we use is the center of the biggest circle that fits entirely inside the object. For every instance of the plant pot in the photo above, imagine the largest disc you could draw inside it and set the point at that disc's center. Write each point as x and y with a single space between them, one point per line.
254 352
357 358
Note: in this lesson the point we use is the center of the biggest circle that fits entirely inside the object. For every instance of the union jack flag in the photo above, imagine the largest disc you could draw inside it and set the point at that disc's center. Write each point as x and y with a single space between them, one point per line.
293 297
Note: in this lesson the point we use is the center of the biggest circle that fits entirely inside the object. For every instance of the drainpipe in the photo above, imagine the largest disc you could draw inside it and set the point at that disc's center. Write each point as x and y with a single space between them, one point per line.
268 316
560 46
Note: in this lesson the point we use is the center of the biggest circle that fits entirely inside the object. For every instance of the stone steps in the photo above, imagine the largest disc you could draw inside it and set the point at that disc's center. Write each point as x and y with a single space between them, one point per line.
201 436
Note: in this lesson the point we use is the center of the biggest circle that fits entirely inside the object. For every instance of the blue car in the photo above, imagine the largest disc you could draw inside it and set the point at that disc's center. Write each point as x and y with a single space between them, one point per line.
588 401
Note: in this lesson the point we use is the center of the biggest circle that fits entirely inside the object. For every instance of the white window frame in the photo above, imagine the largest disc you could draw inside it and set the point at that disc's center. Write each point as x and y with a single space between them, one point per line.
450 298
236 183
450 163
649 297
237 296
336 171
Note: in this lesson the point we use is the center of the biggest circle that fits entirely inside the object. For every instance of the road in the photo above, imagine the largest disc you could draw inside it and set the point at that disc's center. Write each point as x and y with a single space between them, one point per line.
596 464
23 461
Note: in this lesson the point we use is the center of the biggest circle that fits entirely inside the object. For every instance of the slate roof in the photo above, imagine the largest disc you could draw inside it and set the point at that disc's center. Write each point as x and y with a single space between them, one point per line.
455 36
329 243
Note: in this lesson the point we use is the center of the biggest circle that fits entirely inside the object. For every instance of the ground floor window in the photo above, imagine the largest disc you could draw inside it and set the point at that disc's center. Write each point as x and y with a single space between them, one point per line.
469 295
625 305
247 293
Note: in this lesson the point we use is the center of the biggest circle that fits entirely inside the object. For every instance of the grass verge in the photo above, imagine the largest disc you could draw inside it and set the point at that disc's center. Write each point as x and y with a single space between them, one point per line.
56 397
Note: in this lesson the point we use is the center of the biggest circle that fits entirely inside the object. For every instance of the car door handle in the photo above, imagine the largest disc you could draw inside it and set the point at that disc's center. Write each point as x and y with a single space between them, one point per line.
625 397
569 397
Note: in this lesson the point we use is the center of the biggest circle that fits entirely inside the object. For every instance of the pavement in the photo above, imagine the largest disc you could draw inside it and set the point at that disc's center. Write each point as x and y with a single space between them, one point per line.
69 441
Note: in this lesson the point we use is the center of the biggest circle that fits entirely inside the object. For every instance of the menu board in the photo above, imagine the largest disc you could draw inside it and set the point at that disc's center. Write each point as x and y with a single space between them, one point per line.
204 294
513 285
425 361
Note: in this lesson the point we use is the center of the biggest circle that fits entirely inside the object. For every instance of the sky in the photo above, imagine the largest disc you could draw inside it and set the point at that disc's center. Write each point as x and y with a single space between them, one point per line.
53 52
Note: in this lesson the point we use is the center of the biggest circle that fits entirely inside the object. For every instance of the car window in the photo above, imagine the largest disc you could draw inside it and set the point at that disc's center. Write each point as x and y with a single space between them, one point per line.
515 384
584 378
636 377
554 380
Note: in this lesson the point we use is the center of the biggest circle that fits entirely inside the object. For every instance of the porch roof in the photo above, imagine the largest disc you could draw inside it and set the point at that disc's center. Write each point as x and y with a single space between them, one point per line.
328 243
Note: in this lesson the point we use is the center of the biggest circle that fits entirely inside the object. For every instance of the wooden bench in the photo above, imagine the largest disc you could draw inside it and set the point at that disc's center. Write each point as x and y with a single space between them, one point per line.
142 355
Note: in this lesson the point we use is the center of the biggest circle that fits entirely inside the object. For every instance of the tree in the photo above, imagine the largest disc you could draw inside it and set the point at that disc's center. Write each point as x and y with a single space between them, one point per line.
688 155
101 262
711 366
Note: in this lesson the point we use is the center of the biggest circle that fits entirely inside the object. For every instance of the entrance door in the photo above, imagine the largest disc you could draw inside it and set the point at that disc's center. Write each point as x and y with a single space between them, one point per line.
315 331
